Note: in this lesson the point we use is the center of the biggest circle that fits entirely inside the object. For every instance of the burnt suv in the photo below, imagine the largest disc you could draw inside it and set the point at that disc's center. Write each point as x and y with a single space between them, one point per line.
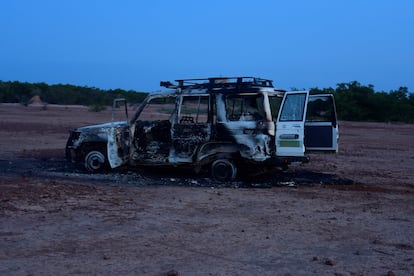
223 125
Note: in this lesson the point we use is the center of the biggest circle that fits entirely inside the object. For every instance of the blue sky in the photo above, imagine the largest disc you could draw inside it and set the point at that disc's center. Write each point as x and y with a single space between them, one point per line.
134 44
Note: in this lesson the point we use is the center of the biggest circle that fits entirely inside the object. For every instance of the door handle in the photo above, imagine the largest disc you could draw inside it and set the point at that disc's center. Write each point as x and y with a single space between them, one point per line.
289 136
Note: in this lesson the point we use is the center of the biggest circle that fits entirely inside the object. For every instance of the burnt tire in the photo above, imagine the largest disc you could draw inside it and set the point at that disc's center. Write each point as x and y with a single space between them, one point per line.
223 170
95 161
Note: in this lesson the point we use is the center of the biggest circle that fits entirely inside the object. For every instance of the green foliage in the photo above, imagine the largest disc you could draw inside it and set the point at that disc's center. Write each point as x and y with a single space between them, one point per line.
356 102
19 92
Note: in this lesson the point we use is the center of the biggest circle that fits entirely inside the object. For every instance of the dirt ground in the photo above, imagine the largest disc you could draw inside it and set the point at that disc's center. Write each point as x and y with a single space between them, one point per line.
346 214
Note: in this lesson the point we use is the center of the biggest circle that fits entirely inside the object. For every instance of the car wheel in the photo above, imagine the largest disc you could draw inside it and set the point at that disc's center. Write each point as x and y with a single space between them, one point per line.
223 170
95 161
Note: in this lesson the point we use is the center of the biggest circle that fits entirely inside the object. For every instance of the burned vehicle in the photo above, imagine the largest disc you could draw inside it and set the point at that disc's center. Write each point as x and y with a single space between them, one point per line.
223 125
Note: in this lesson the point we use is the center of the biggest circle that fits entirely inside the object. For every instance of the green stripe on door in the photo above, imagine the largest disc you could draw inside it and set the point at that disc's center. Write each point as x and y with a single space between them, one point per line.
291 144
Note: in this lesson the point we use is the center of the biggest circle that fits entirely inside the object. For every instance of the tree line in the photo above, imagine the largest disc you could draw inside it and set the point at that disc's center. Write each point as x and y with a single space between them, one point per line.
354 102
65 94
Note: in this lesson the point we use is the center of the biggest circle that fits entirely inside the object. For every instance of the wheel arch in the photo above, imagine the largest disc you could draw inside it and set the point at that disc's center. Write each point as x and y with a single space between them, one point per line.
89 146
217 150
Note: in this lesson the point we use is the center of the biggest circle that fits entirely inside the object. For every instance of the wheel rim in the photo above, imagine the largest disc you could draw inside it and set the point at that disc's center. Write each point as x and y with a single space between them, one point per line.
223 170
94 161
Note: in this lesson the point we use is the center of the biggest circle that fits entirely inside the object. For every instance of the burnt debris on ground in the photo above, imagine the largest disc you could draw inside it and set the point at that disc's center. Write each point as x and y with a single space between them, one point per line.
60 169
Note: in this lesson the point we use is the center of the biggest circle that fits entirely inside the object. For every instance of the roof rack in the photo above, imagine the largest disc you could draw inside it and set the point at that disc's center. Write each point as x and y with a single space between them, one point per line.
219 83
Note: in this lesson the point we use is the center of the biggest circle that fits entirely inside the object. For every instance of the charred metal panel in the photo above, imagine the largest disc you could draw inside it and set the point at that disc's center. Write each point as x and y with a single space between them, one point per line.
187 139
112 149
152 141
118 146
219 148
191 127
253 132
89 138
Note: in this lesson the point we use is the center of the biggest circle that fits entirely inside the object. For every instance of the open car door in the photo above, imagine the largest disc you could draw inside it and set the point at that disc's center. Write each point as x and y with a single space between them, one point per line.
290 124
118 135
321 125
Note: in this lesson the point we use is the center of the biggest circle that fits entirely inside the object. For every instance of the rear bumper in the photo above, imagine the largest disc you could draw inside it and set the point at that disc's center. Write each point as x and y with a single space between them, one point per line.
287 160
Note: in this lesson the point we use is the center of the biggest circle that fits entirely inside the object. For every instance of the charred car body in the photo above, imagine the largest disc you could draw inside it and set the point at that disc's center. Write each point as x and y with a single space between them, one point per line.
219 124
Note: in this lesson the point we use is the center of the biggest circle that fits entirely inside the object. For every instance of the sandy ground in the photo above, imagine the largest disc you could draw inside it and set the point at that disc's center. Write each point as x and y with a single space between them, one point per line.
347 214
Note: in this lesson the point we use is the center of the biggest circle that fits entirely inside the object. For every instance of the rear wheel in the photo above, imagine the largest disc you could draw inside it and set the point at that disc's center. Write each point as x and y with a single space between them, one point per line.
95 161
223 170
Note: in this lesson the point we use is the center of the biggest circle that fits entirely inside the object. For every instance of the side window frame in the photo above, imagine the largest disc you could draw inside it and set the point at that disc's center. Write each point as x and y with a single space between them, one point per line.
158 109
291 111
244 107
194 109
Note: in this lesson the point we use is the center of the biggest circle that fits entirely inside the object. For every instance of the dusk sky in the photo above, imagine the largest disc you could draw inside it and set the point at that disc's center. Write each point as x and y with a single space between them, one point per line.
132 44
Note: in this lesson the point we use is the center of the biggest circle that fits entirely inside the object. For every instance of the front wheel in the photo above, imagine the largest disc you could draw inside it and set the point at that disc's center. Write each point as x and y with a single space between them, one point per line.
95 161
223 170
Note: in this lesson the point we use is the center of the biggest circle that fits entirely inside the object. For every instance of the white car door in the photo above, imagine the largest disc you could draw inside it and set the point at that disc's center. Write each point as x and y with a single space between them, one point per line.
321 125
290 124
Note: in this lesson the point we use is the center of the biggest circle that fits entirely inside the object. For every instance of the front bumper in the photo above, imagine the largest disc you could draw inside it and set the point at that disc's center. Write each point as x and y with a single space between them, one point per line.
70 153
